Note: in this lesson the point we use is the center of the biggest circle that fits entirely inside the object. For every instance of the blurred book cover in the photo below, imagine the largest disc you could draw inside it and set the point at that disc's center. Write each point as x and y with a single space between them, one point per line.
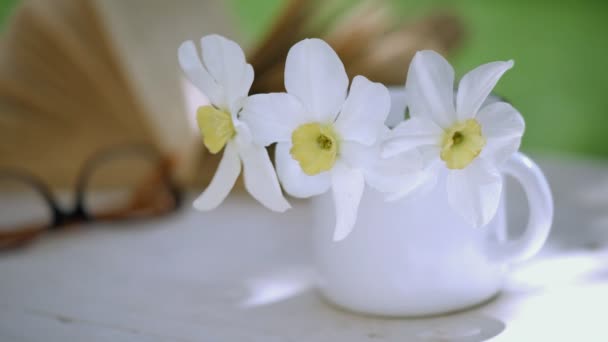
77 76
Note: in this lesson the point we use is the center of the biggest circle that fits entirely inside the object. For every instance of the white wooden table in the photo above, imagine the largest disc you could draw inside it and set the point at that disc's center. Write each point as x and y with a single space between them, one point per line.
242 273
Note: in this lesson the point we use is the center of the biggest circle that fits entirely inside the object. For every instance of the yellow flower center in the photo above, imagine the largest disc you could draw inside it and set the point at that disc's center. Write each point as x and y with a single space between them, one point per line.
216 127
461 144
315 147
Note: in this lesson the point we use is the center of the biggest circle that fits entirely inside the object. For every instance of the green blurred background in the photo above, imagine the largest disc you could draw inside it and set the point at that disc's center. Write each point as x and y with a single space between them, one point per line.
559 82
5 7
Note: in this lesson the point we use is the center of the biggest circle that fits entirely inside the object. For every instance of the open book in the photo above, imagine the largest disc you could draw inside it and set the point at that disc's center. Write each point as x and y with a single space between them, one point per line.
80 75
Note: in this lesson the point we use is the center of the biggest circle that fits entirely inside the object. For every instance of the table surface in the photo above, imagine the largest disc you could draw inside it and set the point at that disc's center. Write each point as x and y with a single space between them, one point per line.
221 276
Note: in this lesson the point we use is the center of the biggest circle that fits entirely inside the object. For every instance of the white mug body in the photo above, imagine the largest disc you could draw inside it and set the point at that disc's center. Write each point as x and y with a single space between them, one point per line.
410 257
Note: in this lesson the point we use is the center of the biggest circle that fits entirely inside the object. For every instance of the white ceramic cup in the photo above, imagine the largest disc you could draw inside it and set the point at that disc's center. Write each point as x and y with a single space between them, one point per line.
416 257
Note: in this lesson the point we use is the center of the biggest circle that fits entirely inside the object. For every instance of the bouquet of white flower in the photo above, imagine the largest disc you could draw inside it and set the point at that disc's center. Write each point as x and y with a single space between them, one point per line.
330 136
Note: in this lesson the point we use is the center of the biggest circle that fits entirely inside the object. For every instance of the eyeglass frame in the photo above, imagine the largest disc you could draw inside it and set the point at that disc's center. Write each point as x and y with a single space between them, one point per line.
78 213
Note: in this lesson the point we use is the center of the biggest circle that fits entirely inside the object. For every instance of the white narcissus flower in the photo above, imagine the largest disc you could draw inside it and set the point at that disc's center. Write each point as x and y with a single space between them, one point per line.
324 138
224 76
465 136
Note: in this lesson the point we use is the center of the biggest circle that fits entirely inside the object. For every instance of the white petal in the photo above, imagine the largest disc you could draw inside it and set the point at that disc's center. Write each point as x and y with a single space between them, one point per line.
492 98
410 134
225 61
364 112
273 117
347 187
475 87
474 192
402 173
260 178
430 155
316 76
503 127
192 66
417 182
295 181
223 180
357 155
384 175
430 88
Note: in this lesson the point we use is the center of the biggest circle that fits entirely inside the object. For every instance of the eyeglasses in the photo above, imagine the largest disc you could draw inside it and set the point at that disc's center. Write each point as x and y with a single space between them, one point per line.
120 183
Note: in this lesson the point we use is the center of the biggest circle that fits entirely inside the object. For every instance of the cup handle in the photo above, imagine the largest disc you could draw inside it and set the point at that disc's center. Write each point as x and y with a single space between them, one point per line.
540 201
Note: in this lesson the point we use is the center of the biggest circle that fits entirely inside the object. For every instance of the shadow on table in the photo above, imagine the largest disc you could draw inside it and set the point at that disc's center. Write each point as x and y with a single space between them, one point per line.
285 303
